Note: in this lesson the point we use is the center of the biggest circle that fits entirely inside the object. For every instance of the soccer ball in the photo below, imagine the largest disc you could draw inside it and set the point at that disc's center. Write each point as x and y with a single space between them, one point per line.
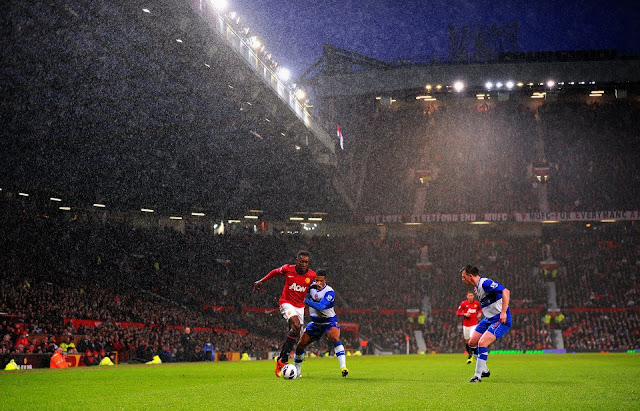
289 372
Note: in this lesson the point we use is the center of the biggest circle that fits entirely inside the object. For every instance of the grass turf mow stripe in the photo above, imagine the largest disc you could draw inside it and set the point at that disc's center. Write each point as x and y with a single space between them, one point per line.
571 381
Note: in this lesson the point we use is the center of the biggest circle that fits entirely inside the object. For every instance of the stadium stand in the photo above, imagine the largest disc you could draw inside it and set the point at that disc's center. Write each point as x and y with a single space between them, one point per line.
60 270
195 125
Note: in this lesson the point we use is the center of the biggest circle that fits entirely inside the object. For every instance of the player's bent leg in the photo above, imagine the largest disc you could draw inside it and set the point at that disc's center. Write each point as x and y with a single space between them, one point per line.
334 335
494 332
475 337
468 350
299 357
483 354
292 338
473 344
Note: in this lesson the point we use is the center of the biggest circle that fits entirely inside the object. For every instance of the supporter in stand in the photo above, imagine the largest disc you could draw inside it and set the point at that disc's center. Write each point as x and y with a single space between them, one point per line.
89 359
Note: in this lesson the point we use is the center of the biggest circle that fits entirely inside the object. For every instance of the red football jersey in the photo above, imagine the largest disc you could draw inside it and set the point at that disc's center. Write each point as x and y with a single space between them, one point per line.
295 285
472 308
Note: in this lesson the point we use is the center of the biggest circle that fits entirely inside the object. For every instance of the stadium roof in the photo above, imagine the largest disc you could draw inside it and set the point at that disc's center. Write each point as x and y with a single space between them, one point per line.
343 73
141 104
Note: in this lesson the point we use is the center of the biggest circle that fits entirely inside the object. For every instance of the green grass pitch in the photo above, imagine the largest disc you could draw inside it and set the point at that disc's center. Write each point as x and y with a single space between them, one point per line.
401 382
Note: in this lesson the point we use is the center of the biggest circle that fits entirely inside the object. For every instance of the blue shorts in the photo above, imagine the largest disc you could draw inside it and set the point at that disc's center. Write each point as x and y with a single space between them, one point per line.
496 328
316 330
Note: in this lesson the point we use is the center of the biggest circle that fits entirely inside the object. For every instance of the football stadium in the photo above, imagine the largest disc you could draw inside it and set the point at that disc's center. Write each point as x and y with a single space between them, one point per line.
180 217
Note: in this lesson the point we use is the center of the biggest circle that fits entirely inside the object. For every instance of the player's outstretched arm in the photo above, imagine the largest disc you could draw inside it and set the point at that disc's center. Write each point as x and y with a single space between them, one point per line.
272 273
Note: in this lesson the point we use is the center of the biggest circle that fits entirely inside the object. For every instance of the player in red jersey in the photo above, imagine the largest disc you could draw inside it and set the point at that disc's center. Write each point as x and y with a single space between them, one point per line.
298 279
471 311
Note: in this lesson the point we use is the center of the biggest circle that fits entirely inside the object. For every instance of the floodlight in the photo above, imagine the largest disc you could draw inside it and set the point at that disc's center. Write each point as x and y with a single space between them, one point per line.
284 74
458 86
219 4
300 94
488 85
551 83
509 84
255 43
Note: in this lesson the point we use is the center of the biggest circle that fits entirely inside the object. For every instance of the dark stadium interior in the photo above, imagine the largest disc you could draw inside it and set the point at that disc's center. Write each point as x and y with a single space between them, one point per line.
102 104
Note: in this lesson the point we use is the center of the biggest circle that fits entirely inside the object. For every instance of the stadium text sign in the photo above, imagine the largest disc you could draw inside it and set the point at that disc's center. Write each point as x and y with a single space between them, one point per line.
578 216
492 217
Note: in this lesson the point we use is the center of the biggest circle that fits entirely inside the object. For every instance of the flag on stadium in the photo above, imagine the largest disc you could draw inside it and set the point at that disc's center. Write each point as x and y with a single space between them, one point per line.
339 132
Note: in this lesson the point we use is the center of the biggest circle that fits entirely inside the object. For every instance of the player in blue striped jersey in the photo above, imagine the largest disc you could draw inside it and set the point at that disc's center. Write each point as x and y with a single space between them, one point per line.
323 321
494 300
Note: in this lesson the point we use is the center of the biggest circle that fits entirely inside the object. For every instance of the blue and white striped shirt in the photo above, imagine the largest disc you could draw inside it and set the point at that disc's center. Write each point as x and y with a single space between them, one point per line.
321 305
489 293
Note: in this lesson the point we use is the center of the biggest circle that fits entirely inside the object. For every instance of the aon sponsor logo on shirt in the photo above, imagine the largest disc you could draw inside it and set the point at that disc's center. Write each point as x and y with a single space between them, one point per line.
296 287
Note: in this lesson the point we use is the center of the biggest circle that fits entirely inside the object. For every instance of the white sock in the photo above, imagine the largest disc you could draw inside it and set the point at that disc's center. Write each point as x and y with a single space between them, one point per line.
339 349
297 361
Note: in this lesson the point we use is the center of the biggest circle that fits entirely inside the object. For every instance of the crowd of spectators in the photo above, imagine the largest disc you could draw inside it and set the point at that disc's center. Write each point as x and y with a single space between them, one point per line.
602 331
479 157
64 268
592 151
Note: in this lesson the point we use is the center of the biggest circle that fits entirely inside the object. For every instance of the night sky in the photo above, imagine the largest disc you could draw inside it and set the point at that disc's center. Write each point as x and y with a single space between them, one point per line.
294 31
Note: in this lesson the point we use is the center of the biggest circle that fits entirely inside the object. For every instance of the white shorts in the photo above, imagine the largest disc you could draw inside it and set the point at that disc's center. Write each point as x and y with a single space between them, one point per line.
287 310
467 331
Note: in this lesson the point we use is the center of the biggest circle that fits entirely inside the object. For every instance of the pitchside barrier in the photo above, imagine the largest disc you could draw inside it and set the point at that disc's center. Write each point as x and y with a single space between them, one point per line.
31 361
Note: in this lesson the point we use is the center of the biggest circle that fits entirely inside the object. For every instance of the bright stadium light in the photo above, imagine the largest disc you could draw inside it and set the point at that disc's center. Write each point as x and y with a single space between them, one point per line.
220 5
488 85
509 84
551 83
284 74
255 43
458 86
498 85
300 94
